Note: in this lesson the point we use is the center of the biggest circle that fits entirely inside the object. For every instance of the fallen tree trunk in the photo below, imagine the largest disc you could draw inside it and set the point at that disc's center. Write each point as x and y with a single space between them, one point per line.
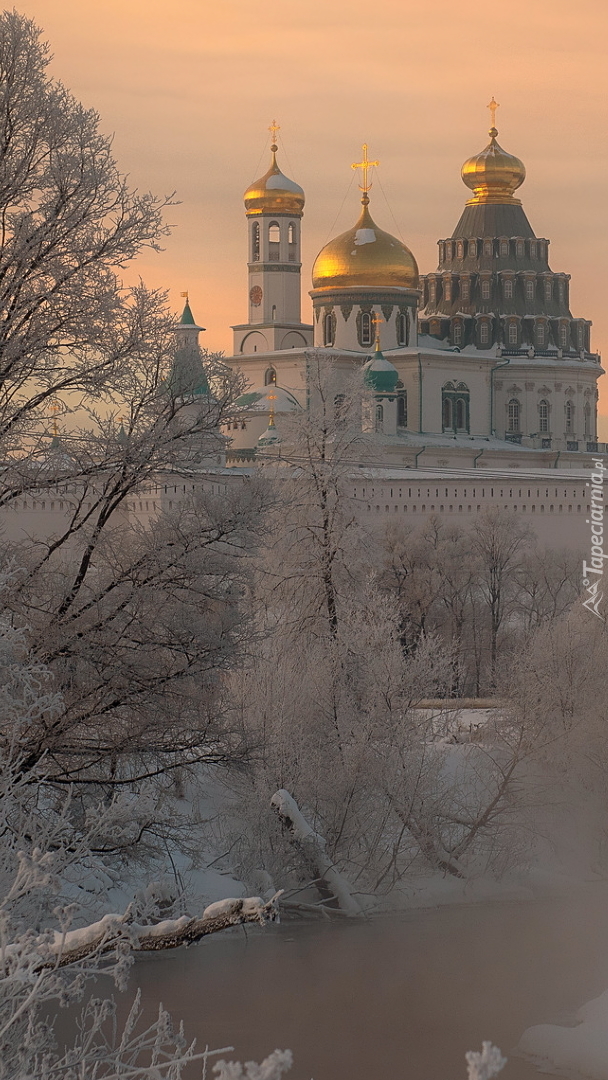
312 848
102 937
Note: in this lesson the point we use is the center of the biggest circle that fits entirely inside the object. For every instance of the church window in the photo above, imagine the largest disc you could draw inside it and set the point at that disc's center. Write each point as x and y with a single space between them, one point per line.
563 336
455 407
473 249
540 333
291 233
485 289
402 329
562 290
273 313
513 415
379 417
487 247
533 249
504 247
255 242
457 333
484 333
569 417
543 416
366 332
447 414
465 288
587 418
448 252
447 289
548 289
402 409
520 249
460 249
529 289
432 291
508 289
328 329
270 377
512 333
461 414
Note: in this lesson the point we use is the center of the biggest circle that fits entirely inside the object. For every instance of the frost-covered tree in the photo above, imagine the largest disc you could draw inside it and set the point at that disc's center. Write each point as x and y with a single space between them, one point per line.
136 625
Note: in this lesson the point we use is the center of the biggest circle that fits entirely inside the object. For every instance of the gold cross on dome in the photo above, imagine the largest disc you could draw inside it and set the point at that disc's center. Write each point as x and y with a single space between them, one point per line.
273 129
366 165
493 106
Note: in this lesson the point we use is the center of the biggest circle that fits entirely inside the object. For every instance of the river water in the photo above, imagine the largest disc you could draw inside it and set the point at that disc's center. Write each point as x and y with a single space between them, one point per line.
398 996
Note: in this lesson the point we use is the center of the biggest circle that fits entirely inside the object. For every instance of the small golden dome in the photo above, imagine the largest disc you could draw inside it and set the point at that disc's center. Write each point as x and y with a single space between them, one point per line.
365 257
274 192
493 175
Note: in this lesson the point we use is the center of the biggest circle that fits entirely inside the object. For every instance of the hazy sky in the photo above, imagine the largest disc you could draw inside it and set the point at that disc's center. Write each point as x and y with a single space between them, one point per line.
188 89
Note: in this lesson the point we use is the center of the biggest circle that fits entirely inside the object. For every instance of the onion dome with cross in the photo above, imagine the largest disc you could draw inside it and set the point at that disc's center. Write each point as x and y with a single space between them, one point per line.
366 272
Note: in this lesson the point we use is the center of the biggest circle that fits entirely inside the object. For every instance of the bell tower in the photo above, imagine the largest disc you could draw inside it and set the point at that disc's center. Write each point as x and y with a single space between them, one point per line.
273 205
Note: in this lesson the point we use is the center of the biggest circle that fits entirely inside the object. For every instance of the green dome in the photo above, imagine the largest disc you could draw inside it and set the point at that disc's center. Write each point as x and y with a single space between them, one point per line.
380 374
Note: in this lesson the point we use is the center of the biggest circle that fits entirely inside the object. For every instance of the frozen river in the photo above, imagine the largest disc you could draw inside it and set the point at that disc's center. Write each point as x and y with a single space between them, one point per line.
400 996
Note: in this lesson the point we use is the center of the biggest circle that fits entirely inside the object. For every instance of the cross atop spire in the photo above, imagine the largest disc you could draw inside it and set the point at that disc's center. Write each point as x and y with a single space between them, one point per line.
274 129
493 106
365 165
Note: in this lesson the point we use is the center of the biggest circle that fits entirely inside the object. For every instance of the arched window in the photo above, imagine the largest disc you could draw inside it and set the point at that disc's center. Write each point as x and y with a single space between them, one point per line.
520 249
273 313
487 247
328 329
461 414
484 333
587 419
465 288
512 333
581 335
569 417
455 407
255 242
543 416
432 291
270 376
274 242
447 413
485 289
540 333
548 289
457 333
403 336
366 332
402 409
448 251
379 417
473 249
339 410
563 336
513 415
291 233
508 289
533 249
504 247
529 289
460 249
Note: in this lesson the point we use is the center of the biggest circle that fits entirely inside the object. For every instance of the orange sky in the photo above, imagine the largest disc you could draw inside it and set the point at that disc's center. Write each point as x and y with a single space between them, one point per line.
189 89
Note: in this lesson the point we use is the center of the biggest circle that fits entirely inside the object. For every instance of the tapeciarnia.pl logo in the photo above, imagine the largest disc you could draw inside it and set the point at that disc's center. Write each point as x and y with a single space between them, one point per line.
593 571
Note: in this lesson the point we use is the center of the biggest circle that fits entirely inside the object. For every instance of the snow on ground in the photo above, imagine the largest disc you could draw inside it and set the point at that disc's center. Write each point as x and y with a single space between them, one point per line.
575 1051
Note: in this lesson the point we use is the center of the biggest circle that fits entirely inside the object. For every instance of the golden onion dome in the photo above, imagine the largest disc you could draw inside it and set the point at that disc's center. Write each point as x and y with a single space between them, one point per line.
493 175
274 192
365 257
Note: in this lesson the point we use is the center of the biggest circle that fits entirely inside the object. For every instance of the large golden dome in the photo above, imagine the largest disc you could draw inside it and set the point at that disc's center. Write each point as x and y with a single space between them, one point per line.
365 257
493 175
274 192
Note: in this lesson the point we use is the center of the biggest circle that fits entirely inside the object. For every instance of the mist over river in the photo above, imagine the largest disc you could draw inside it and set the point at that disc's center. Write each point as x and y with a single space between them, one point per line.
404 995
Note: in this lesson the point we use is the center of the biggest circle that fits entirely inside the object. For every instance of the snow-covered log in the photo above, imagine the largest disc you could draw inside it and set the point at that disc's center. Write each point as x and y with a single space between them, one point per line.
102 936
313 847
